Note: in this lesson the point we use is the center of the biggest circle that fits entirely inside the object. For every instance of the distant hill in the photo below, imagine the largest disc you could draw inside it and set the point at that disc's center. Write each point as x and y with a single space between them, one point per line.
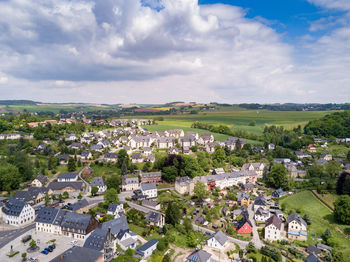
17 102
336 124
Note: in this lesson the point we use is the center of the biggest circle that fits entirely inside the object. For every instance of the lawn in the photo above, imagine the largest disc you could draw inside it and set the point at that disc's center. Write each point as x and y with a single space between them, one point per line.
328 198
321 216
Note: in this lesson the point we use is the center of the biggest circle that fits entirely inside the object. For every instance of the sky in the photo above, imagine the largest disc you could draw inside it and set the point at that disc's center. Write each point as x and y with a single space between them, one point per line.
158 51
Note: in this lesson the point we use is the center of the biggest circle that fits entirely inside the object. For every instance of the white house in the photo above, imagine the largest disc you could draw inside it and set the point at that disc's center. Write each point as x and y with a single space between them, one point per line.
261 215
17 212
217 240
71 137
297 227
115 209
165 142
205 139
149 190
273 229
147 249
39 181
100 184
130 183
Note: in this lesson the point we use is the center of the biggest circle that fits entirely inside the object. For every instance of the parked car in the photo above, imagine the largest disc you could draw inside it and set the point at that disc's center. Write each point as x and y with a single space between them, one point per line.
74 242
26 238
33 259
45 251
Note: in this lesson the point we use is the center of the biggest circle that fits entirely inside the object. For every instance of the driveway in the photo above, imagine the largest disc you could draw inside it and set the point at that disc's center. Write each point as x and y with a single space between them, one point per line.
256 240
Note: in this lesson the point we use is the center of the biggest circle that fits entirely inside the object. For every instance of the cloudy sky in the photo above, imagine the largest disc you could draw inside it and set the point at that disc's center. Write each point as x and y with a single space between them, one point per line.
156 51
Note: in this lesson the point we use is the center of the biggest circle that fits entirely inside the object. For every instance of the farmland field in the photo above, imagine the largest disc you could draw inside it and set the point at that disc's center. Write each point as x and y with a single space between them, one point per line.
238 120
321 217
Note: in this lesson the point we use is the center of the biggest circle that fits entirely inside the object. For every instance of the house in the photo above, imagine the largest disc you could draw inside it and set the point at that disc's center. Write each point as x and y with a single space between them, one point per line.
147 151
249 187
232 141
313 249
271 146
218 171
17 212
149 190
76 146
312 258
110 157
297 227
278 193
199 256
155 219
67 177
151 177
80 207
140 141
261 215
186 150
102 240
49 220
117 210
77 253
217 240
176 133
77 225
301 155
323 247
120 230
187 141
260 201
211 147
130 183
33 195
70 137
63 159
151 204
99 183
136 158
240 212
244 226
73 188
257 167
173 151
96 147
326 157
39 181
13 136
147 249
243 198
273 229
104 143
165 142
85 155
311 148
184 185
205 139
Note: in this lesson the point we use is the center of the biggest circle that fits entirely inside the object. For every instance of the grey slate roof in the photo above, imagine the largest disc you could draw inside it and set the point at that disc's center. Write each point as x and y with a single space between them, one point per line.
313 249
274 220
312 258
141 250
76 221
98 181
151 203
96 239
242 195
47 215
111 155
13 207
112 207
151 174
199 256
260 201
153 217
77 253
67 176
41 178
148 186
118 226
31 193
80 204
220 237
78 185
296 217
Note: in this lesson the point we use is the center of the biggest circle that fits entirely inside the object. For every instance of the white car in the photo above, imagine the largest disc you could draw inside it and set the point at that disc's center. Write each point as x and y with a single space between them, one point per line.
74 242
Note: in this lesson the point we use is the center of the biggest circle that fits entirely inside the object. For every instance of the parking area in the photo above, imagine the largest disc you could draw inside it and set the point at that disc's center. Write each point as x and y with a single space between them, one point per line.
62 244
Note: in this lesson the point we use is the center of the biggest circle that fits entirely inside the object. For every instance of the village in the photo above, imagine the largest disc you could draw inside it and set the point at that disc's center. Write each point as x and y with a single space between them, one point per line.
224 214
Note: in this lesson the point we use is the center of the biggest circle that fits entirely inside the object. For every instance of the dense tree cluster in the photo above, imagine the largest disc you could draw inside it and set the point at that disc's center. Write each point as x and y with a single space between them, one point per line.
342 209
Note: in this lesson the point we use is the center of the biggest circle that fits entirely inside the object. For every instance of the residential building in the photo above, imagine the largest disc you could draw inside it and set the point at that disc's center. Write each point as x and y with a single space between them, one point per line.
297 227
147 249
155 218
149 190
110 157
260 202
33 195
85 155
151 177
77 253
49 220
187 141
130 183
151 204
77 225
217 240
262 215
244 226
257 167
67 177
73 188
136 158
99 183
176 133
102 240
39 181
199 256
231 142
312 258
278 193
70 137
273 229
81 206
17 212
243 198
117 210
205 139
165 142
184 185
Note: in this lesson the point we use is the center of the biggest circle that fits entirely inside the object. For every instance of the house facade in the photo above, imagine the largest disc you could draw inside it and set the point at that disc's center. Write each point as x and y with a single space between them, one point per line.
184 185
17 213
273 229
297 227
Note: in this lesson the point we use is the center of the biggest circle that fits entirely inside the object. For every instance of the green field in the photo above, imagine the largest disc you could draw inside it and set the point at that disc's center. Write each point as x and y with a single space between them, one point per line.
238 120
54 108
322 218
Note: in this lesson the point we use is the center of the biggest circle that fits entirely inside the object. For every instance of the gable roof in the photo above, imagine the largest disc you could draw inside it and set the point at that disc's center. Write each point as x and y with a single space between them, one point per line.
47 215
242 195
118 226
274 220
76 220
312 258
199 256
220 237
313 249
41 178
242 222
98 181
297 218
13 207
30 194
77 253
97 239
260 201
151 174
153 216
112 207
148 186
80 204
78 185
146 246
67 176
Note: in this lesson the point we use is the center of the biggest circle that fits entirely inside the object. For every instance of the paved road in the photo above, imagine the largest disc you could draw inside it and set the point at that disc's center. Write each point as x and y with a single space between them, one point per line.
256 240
242 244
9 235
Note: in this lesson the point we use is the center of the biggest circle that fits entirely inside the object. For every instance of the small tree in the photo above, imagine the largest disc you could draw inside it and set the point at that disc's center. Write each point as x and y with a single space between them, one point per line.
94 190
200 190
71 165
65 195
47 199
80 196
32 244
24 255
342 209
111 195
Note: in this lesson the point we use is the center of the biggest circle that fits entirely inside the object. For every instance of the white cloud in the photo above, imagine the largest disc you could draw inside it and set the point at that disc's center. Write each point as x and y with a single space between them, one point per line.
124 51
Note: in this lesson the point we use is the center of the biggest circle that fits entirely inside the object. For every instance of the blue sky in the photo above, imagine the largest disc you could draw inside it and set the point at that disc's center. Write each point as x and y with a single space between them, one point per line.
157 51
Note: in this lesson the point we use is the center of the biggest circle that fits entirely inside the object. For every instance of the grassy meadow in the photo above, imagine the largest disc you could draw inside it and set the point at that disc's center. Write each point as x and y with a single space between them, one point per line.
321 217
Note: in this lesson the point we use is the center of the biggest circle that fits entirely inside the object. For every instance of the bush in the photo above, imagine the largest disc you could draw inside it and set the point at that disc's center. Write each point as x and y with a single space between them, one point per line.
13 254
